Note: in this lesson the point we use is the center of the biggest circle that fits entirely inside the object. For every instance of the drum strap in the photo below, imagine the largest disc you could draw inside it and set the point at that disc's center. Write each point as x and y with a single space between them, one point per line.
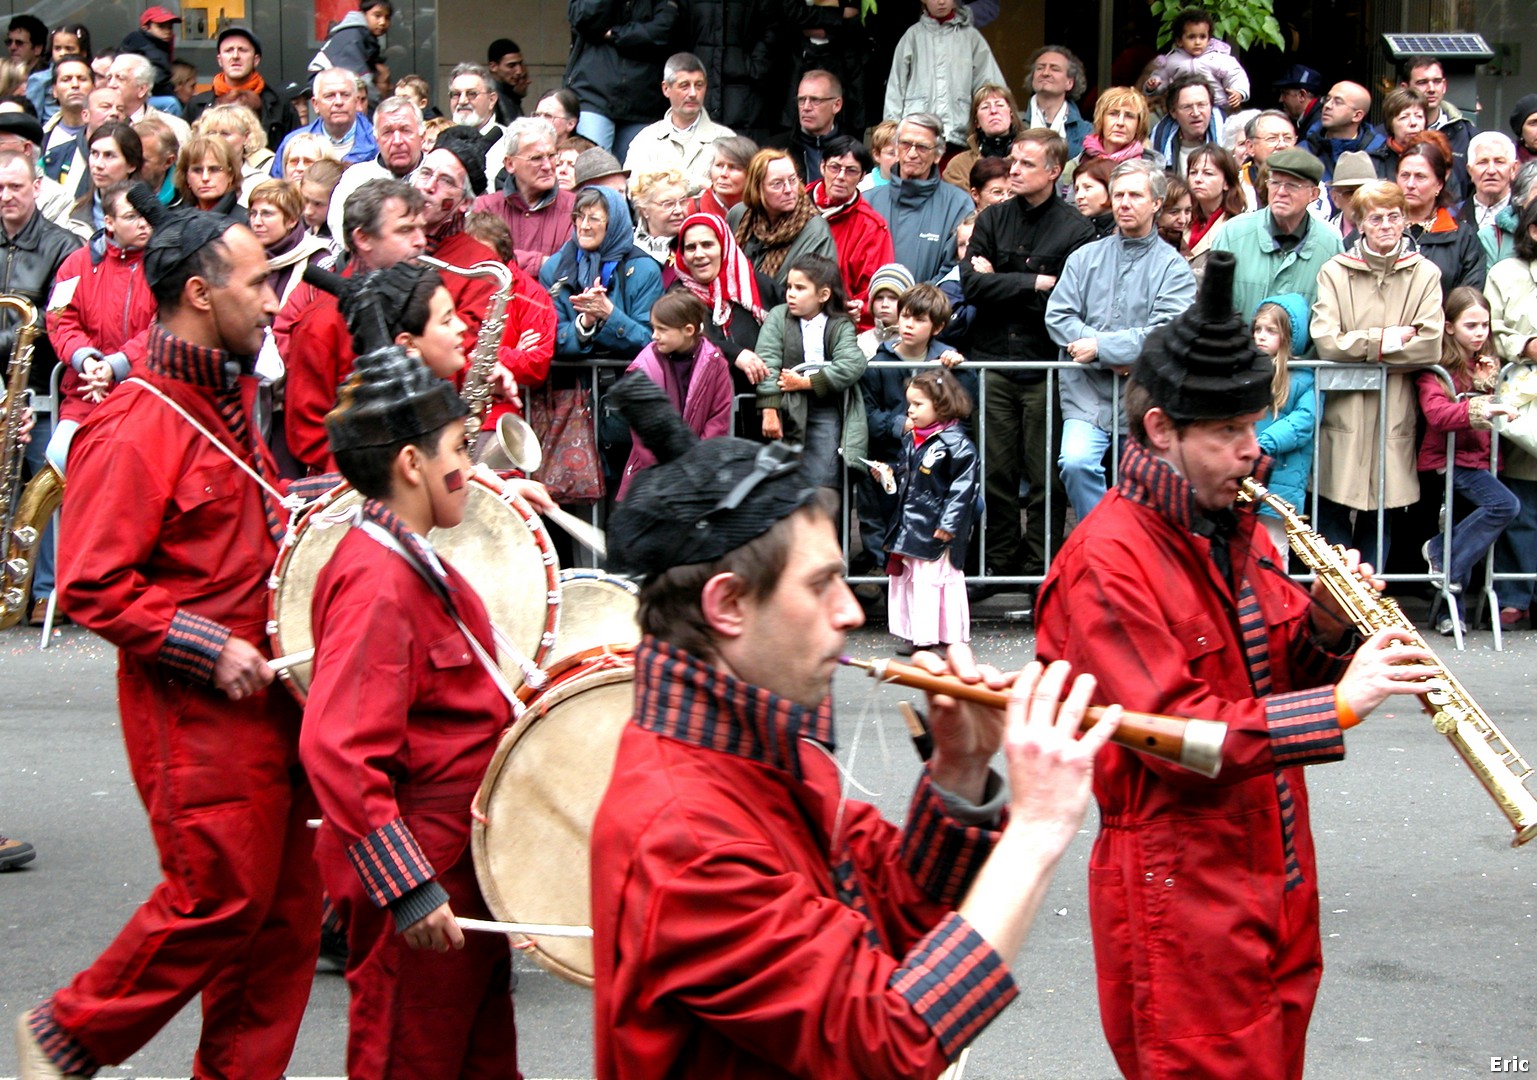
493 670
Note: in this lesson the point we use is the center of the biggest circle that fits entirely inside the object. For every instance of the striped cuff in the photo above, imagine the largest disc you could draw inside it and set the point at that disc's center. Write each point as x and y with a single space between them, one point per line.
940 853
56 1044
192 646
390 863
955 982
417 904
309 488
1314 665
1304 727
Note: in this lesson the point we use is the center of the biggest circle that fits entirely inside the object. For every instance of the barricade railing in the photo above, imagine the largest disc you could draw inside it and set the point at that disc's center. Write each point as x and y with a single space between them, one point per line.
1330 377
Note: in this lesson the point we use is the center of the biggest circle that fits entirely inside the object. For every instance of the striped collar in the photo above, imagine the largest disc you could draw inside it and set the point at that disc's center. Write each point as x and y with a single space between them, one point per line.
1150 481
683 698
173 358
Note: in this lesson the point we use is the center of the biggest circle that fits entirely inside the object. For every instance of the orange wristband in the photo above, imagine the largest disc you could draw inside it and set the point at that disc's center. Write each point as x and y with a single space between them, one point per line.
1347 715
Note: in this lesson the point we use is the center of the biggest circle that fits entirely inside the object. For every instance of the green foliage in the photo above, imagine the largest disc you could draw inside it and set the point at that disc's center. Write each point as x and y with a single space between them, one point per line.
1244 24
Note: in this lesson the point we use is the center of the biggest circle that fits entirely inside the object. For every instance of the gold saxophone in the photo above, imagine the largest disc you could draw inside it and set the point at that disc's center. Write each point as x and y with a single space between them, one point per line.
23 513
477 383
1456 715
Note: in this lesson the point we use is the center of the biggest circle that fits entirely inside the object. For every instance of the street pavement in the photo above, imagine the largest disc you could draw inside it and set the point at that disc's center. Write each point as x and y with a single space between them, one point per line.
1429 916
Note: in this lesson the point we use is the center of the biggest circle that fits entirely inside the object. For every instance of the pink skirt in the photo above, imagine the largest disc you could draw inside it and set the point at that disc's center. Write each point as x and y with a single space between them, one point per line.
927 604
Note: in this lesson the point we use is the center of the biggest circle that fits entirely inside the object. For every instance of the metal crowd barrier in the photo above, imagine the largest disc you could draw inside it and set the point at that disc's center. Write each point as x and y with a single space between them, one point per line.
1329 377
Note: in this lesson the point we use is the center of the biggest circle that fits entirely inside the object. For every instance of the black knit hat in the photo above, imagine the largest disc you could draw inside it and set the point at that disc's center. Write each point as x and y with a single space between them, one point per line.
703 498
177 235
373 303
1203 365
391 397
466 144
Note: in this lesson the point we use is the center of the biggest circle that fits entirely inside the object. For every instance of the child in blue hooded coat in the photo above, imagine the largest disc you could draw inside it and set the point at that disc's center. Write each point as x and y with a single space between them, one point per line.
1286 430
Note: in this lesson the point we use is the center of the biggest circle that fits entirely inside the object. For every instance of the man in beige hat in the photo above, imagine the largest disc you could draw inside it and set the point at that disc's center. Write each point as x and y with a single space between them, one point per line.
1353 169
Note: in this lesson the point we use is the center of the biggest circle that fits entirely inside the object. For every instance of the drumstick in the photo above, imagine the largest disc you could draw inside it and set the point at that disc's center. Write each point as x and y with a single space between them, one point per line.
530 929
583 532
293 659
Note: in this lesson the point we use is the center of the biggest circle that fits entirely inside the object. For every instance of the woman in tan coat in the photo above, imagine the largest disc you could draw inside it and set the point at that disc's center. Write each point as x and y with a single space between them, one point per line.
1379 303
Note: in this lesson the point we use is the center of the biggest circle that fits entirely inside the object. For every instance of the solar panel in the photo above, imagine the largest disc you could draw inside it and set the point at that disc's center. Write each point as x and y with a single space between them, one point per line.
1451 46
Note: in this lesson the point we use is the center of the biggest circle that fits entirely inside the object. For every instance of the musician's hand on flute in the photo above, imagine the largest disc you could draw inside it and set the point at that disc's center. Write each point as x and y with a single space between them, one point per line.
436 930
1387 663
241 669
1329 621
966 735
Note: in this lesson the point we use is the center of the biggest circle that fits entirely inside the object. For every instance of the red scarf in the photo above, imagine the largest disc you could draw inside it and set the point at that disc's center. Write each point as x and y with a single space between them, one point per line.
253 82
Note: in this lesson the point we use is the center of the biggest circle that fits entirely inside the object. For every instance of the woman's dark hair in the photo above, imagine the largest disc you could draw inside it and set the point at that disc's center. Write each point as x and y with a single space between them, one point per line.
1232 202
127 141
1185 19
985 170
823 273
839 145
951 401
81 34
677 308
1437 152
1526 246
1099 170
114 192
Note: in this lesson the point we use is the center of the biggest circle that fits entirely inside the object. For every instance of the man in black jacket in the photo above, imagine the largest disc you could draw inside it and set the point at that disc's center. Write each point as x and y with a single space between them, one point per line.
1017 251
818 108
240 57
31 249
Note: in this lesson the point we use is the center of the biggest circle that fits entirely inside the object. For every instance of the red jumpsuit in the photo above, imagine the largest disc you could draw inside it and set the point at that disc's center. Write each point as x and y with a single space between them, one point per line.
748 924
399 729
1202 893
167 550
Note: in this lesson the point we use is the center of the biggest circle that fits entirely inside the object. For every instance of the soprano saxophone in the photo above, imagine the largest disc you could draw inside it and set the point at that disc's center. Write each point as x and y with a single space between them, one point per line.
1456 715
23 514
477 383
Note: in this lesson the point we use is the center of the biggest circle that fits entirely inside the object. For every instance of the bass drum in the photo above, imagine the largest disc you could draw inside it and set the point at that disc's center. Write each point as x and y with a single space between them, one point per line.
532 836
596 609
500 547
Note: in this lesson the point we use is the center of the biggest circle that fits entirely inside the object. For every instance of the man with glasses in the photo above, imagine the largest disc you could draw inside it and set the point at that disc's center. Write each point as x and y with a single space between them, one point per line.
398 128
1282 248
1266 133
1193 121
505 62
1425 74
472 103
920 207
818 104
1342 125
536 210
337 119
684 138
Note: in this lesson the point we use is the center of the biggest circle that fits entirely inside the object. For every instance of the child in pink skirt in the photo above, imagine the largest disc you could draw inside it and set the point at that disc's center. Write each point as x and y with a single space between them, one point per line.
937 484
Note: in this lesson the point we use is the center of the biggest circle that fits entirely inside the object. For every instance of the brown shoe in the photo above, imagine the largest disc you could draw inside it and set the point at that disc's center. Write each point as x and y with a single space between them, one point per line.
14 853
33 1063
1510 616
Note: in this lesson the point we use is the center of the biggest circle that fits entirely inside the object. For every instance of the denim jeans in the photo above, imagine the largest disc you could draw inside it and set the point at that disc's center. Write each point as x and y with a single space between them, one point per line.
1082 462
1020 446
1515 552
1494 508
614 137
1334 522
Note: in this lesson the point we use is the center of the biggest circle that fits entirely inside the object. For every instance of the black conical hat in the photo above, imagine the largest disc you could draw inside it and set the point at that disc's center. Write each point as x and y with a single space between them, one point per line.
391 397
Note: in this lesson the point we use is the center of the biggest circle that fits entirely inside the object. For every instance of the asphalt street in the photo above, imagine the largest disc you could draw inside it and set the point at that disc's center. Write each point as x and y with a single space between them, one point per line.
1429 916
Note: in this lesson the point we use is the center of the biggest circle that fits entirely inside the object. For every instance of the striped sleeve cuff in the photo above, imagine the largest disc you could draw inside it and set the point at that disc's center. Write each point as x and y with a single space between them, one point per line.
940 853
955 982
309 488
1314 665
390 863
1304 727
417 904
192 646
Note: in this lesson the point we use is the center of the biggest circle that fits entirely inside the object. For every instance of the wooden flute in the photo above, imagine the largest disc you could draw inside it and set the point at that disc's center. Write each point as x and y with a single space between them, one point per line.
1193 744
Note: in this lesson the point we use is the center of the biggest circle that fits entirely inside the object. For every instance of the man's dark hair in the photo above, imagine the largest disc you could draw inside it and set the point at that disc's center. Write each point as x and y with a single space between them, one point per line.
669 602
1526 247
371 469
210 262
365 206
1193 16
1412 64
500 48
36 29
1184 81
1137 402
1074 69
840 145
72 59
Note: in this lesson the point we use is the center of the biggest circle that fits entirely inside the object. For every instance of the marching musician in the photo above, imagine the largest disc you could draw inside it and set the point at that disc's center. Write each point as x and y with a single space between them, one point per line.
404 713
747 921
172 523
1203 894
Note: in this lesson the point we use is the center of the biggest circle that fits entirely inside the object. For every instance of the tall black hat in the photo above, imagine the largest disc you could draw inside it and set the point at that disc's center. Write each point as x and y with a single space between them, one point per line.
703 498
177 234
469 146
391 397
1203 365
372 304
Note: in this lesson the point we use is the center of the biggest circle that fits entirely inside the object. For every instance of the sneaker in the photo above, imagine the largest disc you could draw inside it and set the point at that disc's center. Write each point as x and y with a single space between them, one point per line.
14 853
906 648
1446 626
333 951
1453 587
1510 616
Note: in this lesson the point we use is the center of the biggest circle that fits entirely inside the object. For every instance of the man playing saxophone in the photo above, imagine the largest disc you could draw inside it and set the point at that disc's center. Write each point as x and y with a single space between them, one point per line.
1202 893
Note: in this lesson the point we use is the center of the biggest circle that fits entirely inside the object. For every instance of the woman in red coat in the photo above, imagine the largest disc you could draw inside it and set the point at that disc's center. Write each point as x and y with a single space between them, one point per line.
862 236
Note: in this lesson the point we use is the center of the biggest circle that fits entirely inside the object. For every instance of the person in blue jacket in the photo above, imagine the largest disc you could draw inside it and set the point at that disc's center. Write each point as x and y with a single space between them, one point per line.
1286 430
602 284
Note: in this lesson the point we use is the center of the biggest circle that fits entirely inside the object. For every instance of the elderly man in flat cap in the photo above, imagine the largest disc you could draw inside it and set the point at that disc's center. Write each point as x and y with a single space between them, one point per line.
173 525
747 920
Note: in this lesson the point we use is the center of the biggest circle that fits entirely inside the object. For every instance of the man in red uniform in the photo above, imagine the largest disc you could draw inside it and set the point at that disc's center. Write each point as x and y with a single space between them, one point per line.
747 920
170 534
1202 892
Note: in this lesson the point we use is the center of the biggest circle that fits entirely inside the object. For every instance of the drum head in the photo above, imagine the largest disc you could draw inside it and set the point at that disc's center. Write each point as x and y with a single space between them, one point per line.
538 801
596 609
501 548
